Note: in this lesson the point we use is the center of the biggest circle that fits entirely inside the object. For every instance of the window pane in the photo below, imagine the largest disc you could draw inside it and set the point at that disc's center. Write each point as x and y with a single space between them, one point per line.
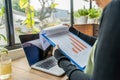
35 15
2 23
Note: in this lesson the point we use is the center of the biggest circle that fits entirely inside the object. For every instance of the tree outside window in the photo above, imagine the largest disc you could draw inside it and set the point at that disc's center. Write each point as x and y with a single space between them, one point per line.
31 16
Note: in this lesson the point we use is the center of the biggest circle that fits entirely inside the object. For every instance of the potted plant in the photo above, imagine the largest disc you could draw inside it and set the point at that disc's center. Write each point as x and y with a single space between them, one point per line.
93 15
2 37
77 16
83 16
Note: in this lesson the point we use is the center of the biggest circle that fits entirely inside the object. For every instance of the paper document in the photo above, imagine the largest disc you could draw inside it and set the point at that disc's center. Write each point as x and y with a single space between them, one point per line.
35 42
73 47
44 42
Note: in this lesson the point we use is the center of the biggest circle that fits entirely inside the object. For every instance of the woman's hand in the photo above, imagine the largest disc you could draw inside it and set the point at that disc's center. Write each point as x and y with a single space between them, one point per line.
57 52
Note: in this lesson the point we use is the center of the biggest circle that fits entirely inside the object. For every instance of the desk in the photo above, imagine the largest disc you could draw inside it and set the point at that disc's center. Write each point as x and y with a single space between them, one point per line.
22 71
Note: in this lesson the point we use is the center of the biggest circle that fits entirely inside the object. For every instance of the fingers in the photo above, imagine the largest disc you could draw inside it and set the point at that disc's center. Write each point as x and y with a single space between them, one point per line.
56 47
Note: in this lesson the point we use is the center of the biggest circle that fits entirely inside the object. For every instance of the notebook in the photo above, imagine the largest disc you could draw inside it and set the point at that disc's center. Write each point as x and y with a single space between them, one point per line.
72 46
37 58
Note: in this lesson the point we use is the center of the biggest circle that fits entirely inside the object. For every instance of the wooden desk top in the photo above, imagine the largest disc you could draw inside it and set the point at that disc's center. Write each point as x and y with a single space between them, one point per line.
22 71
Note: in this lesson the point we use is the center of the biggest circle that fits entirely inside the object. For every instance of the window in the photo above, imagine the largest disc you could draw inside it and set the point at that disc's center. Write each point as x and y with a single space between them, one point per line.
81 4
2 23
31 16
34 15
19 17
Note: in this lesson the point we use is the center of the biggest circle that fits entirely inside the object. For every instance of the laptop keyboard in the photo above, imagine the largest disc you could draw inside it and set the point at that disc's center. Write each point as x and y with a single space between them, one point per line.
48 64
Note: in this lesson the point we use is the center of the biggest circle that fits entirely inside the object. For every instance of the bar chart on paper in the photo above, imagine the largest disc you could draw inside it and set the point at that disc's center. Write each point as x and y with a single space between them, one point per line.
77 45
73 47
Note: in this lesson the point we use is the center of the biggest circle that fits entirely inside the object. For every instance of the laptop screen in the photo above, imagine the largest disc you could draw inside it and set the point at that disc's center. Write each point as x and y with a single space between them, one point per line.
32 48
32 52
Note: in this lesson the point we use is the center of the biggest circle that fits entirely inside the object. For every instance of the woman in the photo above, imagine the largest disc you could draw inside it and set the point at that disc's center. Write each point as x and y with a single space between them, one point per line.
107 51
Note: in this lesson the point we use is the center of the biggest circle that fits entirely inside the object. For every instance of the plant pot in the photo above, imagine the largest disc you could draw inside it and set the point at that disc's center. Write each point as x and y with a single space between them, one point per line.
91 20
76 20
96 21
83 20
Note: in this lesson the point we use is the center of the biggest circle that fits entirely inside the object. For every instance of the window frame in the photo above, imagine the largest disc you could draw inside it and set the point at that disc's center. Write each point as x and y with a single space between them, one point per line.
9 23
10 26
10 29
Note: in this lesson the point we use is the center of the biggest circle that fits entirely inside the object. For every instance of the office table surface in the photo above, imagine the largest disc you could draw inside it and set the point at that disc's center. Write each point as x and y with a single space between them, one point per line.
22 71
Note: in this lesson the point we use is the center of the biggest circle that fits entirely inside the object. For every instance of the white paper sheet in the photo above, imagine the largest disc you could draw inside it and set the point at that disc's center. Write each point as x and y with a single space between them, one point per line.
44 42
72 46
35 42
76 49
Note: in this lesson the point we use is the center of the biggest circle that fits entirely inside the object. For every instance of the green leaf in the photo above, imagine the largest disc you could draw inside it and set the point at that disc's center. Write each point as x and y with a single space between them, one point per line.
25 21
94 13
3 10
3 37
35 30
23 3
32 8
30 15
3 51
76 14
83 12
0 14
53 5
29 23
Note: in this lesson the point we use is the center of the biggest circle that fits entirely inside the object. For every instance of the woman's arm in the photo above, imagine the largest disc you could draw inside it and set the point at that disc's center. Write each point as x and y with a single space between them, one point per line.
89 39
71 70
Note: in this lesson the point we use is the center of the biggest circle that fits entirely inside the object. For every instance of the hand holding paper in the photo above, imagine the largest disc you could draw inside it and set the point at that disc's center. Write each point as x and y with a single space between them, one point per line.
44 42
72 46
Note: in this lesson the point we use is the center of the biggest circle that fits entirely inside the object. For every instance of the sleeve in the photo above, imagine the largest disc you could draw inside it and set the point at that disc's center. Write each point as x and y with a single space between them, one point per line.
89 39
107 58
71 70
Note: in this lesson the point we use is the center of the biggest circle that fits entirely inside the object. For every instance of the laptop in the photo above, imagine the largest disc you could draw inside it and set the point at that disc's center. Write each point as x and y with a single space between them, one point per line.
37 58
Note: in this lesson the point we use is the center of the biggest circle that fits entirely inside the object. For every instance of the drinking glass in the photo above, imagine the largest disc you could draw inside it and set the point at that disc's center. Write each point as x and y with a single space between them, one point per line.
5 67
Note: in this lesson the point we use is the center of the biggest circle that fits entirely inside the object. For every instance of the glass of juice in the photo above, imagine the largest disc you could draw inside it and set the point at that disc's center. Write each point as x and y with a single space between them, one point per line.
5 66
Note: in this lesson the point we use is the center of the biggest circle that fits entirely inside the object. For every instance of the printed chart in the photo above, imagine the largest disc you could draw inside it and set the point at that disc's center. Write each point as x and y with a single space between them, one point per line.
77 45
72 46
